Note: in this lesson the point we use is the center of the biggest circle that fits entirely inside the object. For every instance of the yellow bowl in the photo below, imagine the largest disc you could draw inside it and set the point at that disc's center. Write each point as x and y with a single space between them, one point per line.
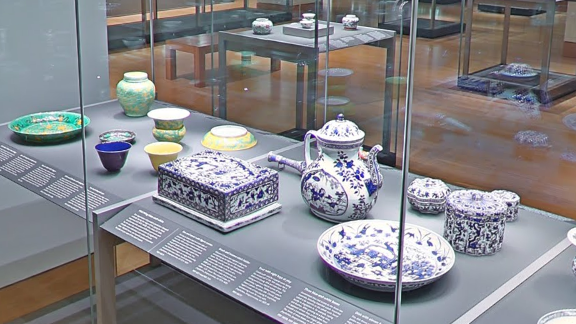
162 152
229 138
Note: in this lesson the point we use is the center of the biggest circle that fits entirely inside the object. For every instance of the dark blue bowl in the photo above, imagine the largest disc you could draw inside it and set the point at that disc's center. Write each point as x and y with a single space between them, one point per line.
113 155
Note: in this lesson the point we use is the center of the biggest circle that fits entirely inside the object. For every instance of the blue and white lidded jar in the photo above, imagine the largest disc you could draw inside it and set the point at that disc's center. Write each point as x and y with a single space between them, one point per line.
572 238
512 200
350 22
475 222
262 26
428 195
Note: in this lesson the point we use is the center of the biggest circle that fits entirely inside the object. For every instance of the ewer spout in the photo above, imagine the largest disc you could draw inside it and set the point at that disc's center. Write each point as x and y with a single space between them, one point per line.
282 161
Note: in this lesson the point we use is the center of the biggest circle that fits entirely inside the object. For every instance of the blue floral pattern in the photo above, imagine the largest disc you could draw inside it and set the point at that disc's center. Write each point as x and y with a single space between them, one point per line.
428 195
218 185
475 222
347 182
365 253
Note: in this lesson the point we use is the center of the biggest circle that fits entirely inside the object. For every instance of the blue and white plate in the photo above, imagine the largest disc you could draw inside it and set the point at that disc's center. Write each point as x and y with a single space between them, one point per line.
365 252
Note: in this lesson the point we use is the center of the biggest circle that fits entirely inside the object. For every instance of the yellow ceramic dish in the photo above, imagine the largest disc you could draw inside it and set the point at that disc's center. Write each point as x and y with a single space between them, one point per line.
229 138
162 152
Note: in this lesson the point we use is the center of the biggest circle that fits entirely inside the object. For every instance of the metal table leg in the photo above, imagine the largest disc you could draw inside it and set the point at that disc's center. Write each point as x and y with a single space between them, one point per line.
468 40
220 111
505 34
387 130
300 94
547 42
311 94
143 16
433 14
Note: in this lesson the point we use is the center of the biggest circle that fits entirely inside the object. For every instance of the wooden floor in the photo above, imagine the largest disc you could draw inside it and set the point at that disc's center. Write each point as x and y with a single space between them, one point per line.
461 137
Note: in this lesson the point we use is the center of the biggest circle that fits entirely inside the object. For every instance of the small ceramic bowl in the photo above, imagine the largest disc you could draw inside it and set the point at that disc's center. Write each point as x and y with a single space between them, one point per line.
169 118
162 152
134 42
229 138
307 24
113 155
171 24
562 316
117 135
308 15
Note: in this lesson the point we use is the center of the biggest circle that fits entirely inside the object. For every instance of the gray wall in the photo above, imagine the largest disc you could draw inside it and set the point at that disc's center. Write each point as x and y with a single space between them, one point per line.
38 58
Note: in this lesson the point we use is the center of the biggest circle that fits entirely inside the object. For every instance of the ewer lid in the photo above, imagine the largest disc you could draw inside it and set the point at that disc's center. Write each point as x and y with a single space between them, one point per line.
340 131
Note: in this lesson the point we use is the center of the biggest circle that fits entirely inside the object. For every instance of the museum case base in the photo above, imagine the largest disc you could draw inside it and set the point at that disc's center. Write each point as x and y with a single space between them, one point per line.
514 11
442 2
214 223
489 82
426 29
295 29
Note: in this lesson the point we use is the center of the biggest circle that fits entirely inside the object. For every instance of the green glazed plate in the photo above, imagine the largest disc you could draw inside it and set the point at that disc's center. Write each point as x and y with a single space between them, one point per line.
48 127
117 135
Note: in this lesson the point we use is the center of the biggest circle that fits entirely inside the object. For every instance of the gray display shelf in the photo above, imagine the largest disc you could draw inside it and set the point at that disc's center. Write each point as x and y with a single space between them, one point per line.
550 289
287 241
37 235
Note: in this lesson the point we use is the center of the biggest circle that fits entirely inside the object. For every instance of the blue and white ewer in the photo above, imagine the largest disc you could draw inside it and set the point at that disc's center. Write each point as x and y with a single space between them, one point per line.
339 185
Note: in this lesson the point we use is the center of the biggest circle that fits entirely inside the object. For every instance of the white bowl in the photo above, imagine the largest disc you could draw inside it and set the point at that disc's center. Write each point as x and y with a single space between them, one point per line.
572 236
365 252
134 42
562 316
171 24
168 113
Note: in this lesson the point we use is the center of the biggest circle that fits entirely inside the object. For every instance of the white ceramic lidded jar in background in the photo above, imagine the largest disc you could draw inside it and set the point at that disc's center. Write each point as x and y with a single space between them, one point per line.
572 238
262 26
350 22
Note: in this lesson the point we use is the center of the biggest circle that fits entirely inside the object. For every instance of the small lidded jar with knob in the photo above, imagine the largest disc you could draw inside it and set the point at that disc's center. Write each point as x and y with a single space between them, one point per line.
572 238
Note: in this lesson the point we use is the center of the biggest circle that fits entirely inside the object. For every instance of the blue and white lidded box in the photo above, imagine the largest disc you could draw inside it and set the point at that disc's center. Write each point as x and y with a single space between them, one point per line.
217 185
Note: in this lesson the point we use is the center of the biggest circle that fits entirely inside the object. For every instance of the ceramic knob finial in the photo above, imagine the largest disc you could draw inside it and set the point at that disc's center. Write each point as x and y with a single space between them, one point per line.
340 117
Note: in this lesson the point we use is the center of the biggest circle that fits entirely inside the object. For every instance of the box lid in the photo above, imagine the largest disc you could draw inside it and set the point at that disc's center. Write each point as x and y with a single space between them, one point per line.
218 171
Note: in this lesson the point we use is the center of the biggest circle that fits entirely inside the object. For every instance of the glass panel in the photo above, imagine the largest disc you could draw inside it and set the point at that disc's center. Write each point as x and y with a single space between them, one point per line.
491 113
45 84
128 36
358 73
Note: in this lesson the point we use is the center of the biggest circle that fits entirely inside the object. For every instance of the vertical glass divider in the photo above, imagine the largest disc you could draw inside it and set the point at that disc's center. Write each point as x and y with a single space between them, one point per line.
153 13
326 61
84 167
405 157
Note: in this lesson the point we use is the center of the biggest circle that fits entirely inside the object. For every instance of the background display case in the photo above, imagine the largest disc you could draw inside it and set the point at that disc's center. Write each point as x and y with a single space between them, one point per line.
155 265
436 18
542 80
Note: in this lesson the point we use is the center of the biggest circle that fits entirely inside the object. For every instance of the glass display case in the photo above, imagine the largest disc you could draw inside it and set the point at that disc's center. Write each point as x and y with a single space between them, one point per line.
513 72
436 18
278 162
